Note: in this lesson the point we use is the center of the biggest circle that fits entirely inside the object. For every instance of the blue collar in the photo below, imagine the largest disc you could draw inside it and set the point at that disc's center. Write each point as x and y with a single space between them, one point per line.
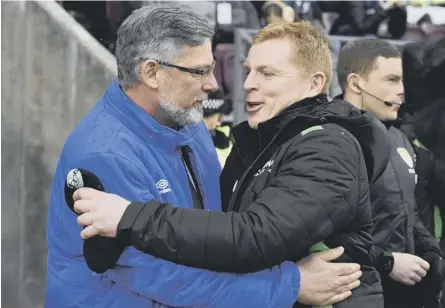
140 122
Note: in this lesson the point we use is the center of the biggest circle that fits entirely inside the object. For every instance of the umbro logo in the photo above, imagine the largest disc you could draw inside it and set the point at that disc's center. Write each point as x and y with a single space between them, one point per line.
162 186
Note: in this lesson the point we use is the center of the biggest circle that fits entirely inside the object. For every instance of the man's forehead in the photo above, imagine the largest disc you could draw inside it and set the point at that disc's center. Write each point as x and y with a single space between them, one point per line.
269 53
388 63
197 56
387 66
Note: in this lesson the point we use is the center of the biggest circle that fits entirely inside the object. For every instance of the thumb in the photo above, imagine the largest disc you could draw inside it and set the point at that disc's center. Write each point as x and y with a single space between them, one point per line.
331 254
89 232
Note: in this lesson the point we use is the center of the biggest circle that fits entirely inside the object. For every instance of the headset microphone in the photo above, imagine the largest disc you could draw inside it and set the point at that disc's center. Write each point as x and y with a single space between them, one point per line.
389 104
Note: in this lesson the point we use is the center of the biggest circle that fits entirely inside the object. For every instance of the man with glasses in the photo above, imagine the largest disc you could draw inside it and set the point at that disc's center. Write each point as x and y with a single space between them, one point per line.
145 140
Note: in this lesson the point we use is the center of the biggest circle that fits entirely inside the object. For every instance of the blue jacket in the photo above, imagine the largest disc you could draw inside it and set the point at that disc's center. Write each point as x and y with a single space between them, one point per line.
138 159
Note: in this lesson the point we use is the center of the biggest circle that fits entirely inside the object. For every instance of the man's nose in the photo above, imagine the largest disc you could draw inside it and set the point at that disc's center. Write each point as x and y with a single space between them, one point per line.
210 84
401 91
250 83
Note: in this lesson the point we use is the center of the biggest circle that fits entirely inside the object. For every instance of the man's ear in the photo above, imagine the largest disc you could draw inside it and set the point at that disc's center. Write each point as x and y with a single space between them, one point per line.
149 74
353 83
318 82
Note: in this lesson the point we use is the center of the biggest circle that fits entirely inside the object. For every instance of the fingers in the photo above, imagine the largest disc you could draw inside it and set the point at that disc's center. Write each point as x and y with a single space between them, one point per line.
420 271
349 287
337 298
89 232
345 269
409 282
85 219
83 206
87 193
416 278
331 254
423 264
346 280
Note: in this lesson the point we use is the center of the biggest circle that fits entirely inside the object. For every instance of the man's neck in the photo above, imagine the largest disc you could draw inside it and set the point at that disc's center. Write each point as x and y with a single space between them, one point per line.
355 100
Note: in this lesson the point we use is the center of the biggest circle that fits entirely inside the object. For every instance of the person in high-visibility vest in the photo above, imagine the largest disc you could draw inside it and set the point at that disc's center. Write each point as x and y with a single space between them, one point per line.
213 118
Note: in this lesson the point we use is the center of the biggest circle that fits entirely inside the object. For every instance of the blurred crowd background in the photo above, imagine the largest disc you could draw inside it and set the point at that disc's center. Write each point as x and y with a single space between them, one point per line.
395 20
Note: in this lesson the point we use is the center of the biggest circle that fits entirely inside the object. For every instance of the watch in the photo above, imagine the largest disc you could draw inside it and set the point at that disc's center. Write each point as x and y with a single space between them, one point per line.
386 262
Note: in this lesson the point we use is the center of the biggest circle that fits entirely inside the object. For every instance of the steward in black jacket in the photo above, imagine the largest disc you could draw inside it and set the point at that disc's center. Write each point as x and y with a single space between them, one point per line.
397 226
300 179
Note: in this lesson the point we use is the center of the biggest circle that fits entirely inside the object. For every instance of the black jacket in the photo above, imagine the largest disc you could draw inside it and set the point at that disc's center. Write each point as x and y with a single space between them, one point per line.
430 187
397 226
294 186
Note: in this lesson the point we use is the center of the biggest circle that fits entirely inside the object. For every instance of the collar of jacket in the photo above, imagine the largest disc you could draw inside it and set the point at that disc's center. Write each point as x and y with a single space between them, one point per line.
255 140
142 123
388 124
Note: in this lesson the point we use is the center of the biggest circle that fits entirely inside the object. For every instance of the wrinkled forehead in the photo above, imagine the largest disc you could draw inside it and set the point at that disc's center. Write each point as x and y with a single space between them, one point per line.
200 56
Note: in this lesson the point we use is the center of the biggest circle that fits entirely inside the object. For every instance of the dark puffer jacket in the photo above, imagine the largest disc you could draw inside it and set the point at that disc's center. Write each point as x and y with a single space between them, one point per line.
397 226
301 178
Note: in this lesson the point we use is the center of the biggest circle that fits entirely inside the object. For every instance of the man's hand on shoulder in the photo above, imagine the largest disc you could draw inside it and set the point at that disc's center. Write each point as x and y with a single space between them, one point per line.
99 212
323 283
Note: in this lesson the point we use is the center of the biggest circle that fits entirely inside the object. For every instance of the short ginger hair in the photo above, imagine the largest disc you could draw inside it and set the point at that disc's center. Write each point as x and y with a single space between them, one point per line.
312 53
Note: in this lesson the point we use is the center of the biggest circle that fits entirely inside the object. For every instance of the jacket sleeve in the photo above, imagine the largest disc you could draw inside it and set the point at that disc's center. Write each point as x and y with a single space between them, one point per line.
314 192
436 185
437 191
424 241
360 21
177 285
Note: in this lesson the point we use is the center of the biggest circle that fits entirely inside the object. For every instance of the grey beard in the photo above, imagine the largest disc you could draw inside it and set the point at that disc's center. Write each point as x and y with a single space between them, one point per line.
180 116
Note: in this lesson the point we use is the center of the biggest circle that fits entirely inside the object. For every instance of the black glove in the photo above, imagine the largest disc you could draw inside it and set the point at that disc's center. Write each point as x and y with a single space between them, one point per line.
431 286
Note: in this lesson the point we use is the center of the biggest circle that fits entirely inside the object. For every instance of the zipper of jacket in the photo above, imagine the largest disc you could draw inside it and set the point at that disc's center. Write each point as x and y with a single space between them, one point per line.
195 170
196 174
243 177
410 246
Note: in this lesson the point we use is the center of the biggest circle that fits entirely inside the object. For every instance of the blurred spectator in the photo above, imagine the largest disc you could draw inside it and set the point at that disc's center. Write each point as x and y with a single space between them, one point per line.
359 18
213 118
276 11
232 15
424 72
308 10
225 16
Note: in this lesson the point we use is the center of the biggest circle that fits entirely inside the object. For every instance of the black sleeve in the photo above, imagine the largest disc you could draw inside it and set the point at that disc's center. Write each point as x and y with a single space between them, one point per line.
378 255
361 22
437 192
424 241
436 186
314 191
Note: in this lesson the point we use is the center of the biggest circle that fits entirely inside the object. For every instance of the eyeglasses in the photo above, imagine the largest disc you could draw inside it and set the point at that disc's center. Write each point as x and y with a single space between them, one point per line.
195 72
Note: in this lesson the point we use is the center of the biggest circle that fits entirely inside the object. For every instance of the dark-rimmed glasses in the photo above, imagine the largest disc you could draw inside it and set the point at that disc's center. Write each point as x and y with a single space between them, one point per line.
195 72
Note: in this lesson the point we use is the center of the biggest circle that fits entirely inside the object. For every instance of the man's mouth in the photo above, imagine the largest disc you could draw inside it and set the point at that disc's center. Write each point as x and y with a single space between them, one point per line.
198 102
253 106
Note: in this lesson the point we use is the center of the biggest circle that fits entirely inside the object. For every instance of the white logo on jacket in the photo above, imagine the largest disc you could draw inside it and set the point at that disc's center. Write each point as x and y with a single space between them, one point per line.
162 186
404 154
267 167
